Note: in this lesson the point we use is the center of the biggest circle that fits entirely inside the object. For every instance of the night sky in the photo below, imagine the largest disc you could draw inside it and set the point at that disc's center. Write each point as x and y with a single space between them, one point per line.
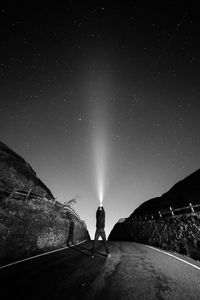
102 96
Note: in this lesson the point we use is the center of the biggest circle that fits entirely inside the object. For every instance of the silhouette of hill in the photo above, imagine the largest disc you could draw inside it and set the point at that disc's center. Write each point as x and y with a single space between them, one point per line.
182 193
15 172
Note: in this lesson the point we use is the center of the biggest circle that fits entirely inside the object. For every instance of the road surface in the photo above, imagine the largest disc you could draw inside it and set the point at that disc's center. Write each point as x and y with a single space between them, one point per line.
134 271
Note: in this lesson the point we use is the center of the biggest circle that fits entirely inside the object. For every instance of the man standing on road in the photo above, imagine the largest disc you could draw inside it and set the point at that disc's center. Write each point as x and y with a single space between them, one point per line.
100 232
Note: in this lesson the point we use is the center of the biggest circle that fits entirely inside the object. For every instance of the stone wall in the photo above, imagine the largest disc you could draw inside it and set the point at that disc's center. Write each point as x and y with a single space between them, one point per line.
36 226
180 234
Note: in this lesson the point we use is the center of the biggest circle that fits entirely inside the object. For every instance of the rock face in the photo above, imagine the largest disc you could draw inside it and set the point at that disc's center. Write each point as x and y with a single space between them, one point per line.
34 225
180 233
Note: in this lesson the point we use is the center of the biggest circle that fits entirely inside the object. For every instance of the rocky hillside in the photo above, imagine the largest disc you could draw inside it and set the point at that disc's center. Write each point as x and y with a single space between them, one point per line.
180 233
15 172
34 225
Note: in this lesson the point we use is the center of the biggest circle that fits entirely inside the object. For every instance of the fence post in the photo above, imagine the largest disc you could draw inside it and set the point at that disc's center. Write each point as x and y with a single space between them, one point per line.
10 196
192 209
171 211
160 214
28 194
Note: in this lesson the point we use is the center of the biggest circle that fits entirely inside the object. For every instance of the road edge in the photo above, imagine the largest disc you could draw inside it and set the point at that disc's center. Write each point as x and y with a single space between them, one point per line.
176 257
39 255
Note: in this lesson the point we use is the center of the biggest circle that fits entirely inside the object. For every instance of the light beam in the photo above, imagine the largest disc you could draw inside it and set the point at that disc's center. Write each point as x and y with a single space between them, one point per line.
99 99
100 162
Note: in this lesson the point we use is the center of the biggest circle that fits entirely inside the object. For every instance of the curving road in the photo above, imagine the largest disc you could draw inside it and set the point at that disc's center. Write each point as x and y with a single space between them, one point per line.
134 271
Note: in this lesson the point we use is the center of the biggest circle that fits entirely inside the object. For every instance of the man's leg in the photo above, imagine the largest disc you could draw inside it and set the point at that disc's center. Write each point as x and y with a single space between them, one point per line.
103 236
94 242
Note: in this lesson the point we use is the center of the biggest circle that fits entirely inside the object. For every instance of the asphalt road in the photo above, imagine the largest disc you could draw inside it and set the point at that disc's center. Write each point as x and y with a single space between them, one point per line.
133 271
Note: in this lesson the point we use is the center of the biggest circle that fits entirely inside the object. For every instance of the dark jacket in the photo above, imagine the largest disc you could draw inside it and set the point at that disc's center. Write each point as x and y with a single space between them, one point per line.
100 216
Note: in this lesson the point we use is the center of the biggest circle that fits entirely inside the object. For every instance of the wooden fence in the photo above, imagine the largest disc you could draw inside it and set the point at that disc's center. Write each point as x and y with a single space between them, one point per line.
191 209
29 195
172 212
23 195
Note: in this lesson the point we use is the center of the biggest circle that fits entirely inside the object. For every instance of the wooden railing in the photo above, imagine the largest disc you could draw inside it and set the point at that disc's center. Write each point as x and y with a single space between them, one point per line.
171 212
191 209
27 195
23 195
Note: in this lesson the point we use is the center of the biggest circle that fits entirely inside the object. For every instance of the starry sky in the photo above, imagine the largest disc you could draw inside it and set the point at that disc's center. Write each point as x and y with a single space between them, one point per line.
99 95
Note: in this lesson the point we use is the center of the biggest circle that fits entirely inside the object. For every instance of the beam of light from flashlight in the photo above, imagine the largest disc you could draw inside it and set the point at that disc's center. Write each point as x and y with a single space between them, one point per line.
100 164
100 94
100 149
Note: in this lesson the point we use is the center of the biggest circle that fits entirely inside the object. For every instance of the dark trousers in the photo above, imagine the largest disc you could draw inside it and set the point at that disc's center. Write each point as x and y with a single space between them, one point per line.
100 233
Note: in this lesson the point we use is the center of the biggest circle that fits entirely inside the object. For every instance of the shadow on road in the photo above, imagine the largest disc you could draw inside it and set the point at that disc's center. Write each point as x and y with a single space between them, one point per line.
89 250
79 249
